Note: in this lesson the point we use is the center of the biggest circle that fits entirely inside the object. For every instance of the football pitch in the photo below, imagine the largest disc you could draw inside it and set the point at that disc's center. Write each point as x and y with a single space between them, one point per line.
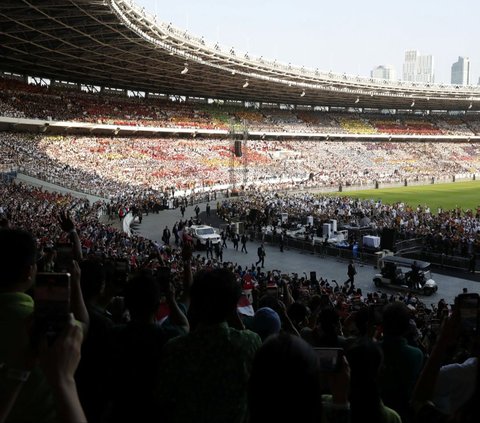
465 195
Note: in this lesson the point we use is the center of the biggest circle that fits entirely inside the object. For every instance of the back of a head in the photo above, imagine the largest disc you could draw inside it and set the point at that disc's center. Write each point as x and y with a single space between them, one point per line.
396 319
365 358
266 322
17 254
92 278
142 296
329 320
285 371
214 296
298 312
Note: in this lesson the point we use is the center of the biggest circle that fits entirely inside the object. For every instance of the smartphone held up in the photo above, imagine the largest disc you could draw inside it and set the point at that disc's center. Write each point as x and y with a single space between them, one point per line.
52 305
468 306
330 359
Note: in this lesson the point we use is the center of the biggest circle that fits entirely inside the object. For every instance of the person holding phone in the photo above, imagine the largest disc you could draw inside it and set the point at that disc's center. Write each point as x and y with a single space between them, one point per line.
452 383
35 401
287 367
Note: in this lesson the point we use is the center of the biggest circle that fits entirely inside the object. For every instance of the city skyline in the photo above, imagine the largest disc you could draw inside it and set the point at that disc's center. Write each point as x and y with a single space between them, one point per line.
352 39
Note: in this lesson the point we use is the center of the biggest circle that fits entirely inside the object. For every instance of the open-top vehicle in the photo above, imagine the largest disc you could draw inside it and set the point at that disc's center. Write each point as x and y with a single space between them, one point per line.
405 274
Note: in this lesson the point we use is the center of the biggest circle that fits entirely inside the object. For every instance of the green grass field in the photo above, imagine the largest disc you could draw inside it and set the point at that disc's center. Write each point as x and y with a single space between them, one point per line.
465 195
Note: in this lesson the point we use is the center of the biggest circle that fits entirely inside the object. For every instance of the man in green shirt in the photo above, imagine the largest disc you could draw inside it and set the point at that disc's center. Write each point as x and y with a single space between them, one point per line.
25 394
204 375
17 272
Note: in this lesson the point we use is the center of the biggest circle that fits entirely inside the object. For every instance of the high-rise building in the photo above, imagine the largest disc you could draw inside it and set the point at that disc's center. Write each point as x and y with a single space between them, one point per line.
410 65
383 72
461 71
418 68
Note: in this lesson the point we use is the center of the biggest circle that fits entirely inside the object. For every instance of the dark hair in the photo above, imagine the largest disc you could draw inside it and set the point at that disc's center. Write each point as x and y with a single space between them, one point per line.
396 319
18 252
329 320
298 312
284 383
92 278
214 296
142 295
365 358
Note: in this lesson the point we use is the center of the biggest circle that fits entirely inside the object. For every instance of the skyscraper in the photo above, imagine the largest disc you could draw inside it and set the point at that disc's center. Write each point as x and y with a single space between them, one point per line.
383 72
418 68
461 71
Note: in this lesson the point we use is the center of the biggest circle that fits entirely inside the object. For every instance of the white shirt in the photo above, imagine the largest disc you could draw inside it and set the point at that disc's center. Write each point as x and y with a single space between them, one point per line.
455 385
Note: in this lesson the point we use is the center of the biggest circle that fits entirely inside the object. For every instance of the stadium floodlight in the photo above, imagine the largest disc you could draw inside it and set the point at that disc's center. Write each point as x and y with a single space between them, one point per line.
185 69
246 83
357 100
303 94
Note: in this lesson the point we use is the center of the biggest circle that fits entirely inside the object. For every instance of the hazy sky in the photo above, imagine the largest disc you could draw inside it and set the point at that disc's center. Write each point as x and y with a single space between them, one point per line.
348 36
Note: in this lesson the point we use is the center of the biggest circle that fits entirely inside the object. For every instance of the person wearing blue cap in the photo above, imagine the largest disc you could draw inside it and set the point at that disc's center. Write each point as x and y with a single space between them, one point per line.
266 322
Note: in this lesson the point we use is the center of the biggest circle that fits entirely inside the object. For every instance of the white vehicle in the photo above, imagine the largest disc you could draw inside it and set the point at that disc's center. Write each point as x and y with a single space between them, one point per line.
200 234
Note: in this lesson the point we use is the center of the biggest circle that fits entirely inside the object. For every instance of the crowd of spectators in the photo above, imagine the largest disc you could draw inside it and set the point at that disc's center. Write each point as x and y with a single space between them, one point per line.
113 167
451 232
184 347
18 99
159 331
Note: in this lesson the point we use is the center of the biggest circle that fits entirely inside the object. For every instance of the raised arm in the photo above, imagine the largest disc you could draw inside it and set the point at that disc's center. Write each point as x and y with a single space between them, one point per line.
425 386
77 304
176 316
68 226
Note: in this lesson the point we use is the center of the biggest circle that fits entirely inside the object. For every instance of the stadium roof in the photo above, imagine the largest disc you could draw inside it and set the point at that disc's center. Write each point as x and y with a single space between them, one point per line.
115 43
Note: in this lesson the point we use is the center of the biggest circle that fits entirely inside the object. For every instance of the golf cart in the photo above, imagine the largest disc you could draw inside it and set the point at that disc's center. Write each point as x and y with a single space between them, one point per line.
405 274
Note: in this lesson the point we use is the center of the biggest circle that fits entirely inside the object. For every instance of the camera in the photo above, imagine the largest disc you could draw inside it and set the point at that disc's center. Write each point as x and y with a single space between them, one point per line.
468 307
52 305
64 257
330 359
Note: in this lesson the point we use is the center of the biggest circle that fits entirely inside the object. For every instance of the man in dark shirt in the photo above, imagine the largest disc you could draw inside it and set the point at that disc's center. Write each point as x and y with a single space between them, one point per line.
351 272
261 255
243 240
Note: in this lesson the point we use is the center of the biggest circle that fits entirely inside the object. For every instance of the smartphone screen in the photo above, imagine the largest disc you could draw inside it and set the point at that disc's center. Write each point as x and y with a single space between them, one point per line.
272 291
64 257
468 305
330 359
52 303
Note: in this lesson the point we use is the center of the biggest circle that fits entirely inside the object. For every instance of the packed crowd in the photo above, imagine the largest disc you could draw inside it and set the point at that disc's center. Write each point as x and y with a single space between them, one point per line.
18 99
228 344
111 167
159 331
451 232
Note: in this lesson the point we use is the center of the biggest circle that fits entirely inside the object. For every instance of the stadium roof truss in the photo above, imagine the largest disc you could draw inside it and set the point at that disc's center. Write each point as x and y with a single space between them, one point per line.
115 43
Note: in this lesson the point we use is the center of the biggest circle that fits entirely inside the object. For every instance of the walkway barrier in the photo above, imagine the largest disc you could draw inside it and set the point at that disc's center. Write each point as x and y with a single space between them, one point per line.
320 250
442 260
